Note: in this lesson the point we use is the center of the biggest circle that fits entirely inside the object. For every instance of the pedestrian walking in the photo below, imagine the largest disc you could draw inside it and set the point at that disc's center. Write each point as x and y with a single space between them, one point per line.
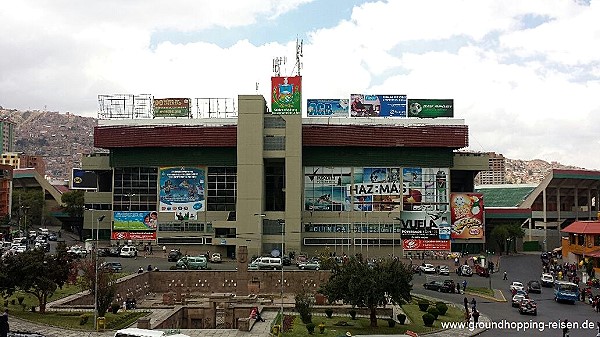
458 288
4 324
150 248
505 276
475 315
464 284
473 303
565 329
165 250
466 301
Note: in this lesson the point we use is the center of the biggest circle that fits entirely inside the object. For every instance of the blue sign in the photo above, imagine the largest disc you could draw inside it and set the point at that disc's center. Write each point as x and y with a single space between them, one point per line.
378 105
327 107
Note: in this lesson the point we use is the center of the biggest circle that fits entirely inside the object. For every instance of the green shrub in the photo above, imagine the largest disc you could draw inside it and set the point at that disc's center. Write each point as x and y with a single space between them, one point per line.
83 319
311 328
401 318
441 307
303 306
423 305
352 313
21 299
428 319
329 312
434 312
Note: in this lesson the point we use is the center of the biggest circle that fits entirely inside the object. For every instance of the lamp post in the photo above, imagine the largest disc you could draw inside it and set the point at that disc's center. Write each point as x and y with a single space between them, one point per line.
260 217
282 223
96 271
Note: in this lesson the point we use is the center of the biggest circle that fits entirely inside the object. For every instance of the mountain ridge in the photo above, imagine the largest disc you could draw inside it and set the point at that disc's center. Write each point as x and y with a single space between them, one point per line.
63 138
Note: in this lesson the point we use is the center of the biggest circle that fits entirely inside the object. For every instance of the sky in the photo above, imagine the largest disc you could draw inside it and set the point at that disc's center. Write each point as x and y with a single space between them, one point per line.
524 75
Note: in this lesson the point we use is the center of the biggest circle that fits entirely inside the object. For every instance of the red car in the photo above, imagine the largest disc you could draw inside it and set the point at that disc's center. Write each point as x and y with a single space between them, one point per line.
528 306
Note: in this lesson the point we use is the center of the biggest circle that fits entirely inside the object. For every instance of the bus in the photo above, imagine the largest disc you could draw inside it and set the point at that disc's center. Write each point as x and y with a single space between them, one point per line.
566 291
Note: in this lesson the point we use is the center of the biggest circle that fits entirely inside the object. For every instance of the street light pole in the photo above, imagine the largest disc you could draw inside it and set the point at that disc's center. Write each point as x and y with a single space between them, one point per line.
282 223
96 271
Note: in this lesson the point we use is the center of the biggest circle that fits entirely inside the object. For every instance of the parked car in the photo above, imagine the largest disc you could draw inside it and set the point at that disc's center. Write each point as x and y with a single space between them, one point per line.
428 268
448 287
128 251
527 306
192 262
521 292
114 252
516 300
102 252
253 266
215 258
309 265
174 255
114 267
52 237
267 262
286 261
45 246
443 270
433 285
534 287
464 270
77 251
547 280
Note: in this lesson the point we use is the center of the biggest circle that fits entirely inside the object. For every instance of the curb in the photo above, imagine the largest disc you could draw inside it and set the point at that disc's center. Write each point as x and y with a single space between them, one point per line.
503 299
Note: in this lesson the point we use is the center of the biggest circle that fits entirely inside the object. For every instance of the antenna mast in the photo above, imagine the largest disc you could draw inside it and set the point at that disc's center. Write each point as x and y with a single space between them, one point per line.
277 63
298 56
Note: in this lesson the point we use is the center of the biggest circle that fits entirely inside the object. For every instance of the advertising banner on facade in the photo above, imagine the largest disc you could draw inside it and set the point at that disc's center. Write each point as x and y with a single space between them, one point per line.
327 107
82 179
418 244
286 95
182 189
377 105
467 215
430 108
145 236
171 107
425 189
135 221
424 225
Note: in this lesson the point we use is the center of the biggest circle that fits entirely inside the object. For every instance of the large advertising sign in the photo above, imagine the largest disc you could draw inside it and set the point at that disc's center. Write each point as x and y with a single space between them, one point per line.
425 189
135 221
384 189
467 220
327 107
377 105
81 179
145 236
182 189
418 244
286 98
430 108
171 107
424 225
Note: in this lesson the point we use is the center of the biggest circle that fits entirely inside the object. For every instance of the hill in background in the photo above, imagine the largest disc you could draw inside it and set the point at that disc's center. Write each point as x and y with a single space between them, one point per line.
62 139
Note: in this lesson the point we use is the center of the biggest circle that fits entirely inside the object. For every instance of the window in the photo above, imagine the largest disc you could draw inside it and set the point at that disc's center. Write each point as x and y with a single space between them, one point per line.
135 189
222 188
581 239
596 240
275 186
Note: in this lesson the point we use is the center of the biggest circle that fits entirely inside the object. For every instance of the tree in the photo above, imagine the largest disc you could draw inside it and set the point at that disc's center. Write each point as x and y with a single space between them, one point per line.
499 235
74 205
515 231
39 274
107 285
27 206
359 284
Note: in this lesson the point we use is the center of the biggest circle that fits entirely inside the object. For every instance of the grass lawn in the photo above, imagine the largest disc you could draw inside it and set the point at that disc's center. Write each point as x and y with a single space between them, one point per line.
70 320
481 290
361 325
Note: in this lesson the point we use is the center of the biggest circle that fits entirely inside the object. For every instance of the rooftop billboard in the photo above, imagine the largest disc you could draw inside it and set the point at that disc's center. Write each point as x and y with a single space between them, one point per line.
377 105
171 107
430 108
286 95
327 107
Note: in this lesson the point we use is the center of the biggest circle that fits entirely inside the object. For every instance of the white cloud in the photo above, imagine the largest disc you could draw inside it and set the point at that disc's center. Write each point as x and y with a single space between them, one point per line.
524 74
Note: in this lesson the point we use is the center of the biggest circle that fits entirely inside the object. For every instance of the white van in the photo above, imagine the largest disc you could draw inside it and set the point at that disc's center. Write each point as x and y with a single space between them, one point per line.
128 251
268 262
135 332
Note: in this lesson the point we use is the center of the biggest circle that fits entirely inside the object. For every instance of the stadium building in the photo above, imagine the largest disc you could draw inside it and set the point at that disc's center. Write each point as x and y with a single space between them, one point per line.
231 175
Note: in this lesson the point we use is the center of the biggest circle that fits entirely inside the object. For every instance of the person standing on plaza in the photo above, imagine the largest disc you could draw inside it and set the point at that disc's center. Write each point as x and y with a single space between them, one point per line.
4 324
475 315
505 276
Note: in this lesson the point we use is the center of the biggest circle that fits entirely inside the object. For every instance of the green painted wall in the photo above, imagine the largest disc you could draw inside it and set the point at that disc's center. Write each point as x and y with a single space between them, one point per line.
172 156
370 157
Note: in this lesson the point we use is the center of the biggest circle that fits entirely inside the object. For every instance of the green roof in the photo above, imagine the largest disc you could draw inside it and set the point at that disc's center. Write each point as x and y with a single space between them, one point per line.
504 196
